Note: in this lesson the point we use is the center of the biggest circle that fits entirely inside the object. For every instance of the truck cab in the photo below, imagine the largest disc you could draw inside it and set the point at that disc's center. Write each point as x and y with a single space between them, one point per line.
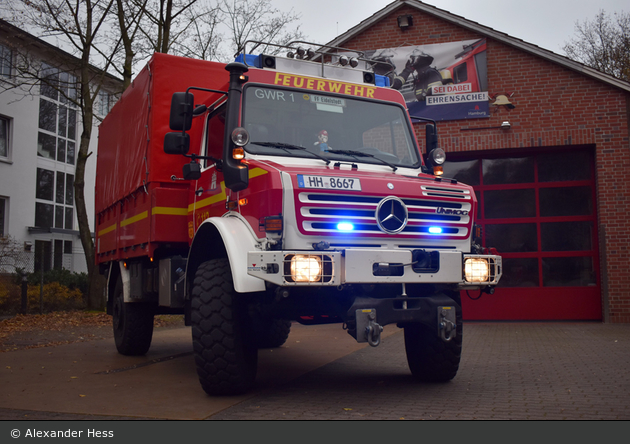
308 200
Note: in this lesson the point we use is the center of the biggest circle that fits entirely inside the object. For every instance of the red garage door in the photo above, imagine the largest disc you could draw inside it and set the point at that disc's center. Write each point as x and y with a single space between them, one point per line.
538 211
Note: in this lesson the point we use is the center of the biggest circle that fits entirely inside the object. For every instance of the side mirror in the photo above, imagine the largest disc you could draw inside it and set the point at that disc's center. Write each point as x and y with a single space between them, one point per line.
191 171
182 105
176 143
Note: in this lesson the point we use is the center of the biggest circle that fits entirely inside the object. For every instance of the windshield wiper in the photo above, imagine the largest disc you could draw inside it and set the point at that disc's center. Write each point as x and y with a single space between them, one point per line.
287 146
362 154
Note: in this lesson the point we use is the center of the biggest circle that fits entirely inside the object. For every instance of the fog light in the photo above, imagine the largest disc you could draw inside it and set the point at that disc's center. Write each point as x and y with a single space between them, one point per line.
306 268
476 270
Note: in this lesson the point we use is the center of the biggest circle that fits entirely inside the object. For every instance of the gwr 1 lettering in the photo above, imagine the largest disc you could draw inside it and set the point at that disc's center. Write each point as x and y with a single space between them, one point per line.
270 94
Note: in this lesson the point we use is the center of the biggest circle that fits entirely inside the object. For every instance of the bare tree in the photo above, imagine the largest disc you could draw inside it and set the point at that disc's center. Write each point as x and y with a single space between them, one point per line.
111 35
203 40
79 26
258 20
603 44
166 23
128 22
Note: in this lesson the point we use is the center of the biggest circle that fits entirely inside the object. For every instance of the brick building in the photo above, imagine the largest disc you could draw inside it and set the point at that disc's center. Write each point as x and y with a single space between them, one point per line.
548 161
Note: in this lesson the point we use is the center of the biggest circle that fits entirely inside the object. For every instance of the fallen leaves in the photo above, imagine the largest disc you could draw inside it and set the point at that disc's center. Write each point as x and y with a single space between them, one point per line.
55 321
64 327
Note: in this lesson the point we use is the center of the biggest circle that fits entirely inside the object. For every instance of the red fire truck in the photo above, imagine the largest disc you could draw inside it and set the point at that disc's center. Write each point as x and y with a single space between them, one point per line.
274 190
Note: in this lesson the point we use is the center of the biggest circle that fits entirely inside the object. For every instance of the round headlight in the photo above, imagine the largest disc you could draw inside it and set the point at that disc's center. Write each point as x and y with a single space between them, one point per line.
240 136
343 60
438 156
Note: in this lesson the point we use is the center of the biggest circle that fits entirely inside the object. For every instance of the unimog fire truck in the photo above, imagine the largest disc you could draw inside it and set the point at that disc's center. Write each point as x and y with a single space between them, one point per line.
274 190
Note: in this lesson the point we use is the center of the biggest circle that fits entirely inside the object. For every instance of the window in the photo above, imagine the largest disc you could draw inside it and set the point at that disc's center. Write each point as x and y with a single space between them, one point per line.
43 253
538 211
54 254
284 122
104 103
3 215
56 142
4 138
55 197
6 61
57 116
461 73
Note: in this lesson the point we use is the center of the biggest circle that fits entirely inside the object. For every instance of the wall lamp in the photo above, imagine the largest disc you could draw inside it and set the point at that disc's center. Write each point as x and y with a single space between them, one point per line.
405 21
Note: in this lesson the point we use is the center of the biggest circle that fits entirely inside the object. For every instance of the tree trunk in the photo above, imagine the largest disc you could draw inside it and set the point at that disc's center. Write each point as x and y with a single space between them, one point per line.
95 298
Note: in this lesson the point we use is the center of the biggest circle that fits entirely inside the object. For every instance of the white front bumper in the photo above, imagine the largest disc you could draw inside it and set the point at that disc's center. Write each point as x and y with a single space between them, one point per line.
355 266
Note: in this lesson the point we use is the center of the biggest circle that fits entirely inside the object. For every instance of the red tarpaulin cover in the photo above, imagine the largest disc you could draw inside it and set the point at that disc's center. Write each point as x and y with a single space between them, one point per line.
131 137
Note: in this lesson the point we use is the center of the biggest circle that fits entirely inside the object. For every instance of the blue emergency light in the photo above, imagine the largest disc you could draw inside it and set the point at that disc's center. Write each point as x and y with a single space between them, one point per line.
345 226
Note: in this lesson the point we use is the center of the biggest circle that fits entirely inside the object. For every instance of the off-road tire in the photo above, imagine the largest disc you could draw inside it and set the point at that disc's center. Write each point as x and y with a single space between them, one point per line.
132 323
271 333
430 358
225 351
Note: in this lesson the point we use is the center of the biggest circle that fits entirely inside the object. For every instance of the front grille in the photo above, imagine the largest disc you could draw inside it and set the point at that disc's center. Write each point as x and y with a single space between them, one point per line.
319 213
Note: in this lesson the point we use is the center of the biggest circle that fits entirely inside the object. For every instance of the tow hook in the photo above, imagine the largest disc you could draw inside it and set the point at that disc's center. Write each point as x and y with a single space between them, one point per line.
366 323
447 323
373 333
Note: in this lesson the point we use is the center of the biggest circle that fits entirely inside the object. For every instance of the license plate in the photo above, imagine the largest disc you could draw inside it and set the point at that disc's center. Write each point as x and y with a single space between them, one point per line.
328 183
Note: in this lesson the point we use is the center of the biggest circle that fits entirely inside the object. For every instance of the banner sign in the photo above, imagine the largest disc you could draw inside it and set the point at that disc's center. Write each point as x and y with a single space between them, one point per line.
445 81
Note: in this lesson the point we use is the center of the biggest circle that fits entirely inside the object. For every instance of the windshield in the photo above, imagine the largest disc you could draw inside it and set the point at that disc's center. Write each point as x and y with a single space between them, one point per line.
295 123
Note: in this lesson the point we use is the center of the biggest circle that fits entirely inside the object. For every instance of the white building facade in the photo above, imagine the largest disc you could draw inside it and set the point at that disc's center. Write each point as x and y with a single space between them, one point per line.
40 131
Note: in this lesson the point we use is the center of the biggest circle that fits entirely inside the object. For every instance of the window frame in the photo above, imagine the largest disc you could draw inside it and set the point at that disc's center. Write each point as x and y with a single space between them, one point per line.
6 62
6 138
4 213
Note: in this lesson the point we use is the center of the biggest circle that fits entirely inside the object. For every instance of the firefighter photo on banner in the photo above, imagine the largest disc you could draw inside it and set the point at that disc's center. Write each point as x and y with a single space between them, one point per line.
445 81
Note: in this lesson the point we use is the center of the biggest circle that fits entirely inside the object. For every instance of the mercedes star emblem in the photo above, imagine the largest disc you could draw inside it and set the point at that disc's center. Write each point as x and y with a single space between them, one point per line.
391 215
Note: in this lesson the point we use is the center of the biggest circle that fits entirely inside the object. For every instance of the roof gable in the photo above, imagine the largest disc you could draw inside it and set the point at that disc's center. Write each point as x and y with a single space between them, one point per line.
483 31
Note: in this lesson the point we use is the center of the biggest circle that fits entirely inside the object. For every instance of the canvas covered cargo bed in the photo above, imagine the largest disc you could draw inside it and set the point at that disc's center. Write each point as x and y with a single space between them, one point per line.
134 186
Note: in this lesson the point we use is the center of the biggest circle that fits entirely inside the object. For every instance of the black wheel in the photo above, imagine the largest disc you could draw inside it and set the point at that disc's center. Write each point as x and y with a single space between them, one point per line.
430 358
133 324
271 333
225 351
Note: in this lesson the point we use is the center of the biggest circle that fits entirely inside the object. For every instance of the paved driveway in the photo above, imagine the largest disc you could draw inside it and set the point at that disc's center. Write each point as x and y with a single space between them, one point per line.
509 371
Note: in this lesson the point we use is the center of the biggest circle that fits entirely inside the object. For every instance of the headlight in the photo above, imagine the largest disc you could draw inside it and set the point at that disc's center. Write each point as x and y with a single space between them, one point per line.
476 270
240 136
306 268
438 156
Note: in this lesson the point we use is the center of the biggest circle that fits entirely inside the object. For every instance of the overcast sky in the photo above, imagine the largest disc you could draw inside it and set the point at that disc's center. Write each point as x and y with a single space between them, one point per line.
546 23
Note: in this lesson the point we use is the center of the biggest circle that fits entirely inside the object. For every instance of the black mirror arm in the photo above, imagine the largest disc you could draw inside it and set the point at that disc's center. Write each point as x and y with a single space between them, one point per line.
195 157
